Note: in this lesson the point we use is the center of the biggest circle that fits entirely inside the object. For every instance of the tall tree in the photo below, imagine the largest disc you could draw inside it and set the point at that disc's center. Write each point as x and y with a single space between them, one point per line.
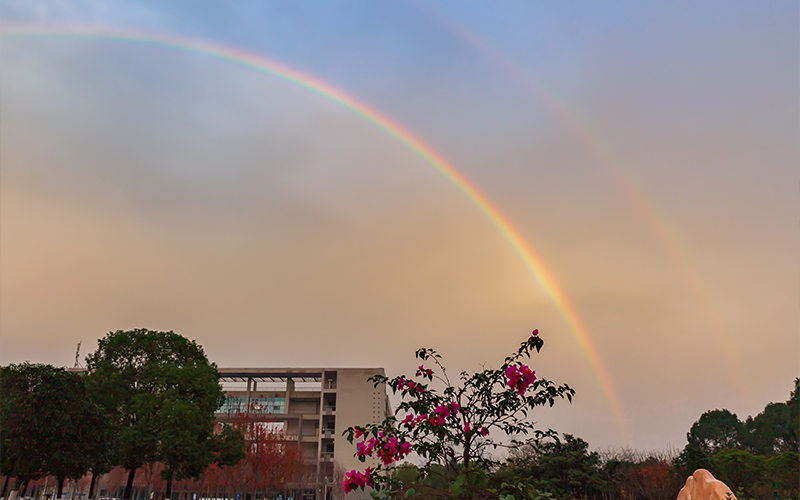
770 432
715 430
49 424
160 392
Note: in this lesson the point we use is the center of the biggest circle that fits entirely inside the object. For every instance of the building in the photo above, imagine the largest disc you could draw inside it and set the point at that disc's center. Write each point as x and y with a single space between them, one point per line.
312 407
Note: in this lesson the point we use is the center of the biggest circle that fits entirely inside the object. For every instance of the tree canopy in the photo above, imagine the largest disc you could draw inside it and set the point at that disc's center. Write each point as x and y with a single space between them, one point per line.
160 393
49 425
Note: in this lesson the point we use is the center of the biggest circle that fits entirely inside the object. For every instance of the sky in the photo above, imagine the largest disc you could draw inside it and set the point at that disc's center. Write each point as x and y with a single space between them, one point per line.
336 184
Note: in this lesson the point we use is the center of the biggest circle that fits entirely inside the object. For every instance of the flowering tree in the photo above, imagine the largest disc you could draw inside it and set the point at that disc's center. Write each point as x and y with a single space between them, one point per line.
451 429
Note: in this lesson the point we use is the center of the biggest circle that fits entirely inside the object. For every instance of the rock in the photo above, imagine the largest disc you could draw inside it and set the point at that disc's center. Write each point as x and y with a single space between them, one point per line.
703 486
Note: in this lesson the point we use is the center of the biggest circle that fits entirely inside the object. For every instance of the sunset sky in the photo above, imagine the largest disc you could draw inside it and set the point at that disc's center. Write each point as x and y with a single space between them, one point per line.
307 183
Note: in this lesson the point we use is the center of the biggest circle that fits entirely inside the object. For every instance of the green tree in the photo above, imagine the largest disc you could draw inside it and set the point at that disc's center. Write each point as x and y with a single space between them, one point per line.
715 430
770 432
229 446
783 471
739 469
565 468
49 424
160 393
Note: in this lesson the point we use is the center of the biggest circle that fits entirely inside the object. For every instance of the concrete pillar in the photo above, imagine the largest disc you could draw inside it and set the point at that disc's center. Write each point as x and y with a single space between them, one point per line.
247 402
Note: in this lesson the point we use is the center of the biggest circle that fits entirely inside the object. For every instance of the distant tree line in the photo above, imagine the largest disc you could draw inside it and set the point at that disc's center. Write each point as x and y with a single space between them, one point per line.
757 458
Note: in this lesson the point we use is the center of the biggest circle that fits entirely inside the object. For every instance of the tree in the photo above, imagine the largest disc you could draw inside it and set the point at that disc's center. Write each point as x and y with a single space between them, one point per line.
713 431
739 469
160 393
563 468
770 432
783 471
49 425
451 430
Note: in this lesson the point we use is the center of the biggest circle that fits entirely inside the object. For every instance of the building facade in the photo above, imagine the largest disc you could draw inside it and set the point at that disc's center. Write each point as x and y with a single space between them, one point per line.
311 407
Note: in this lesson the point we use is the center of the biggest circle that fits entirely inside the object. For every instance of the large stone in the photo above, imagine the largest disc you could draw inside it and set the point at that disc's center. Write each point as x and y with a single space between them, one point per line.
703 486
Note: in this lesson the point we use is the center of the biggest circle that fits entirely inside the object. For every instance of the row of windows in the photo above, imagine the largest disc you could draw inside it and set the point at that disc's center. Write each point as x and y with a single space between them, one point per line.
258 404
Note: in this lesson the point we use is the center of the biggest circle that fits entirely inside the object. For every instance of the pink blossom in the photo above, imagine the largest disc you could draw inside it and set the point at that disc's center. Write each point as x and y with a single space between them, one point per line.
484 432
535 333
424 371
401 383
466 427
520 377
359 432
355 479
365 448
436 420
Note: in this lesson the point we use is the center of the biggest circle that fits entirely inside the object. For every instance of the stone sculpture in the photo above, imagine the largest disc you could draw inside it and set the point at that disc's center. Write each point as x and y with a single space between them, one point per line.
703 486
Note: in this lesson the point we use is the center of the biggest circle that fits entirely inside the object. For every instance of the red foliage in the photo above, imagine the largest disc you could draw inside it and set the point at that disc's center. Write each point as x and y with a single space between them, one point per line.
270 464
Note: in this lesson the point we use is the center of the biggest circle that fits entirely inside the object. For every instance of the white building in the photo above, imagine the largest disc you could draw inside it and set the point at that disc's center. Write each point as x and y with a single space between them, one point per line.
312 406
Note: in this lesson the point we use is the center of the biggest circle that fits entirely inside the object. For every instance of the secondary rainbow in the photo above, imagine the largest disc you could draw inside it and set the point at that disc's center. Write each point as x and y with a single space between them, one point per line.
652 218
321 88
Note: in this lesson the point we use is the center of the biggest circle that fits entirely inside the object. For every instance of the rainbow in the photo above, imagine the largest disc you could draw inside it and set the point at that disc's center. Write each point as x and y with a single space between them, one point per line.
656 222
274 68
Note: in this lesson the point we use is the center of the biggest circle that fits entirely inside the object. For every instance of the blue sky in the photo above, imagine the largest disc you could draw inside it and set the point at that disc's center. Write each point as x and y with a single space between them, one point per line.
152 187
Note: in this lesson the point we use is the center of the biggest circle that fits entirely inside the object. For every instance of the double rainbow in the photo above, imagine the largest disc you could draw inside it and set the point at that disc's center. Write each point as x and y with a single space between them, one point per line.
274 68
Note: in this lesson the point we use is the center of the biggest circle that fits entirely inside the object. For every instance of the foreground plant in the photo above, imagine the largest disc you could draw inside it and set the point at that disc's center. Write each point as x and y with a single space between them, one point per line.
450 430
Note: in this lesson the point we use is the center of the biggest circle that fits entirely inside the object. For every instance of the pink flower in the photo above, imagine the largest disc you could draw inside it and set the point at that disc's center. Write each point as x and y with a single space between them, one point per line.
466 427
424 371
359 432
365 448
401 383
520 378
484 432
355 479
535 333
436 420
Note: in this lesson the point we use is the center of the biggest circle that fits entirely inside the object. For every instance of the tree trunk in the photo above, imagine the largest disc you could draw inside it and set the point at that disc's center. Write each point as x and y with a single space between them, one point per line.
17 484
91 486
25 487
5 486
168 493
60 479
129 485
